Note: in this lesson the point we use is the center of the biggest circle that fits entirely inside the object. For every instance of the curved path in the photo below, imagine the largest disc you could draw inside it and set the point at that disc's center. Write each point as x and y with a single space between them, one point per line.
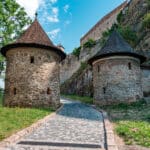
75 127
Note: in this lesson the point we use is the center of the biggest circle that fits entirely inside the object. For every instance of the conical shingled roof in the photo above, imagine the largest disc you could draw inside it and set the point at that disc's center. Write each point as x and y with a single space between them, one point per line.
36 37
116 45
35 34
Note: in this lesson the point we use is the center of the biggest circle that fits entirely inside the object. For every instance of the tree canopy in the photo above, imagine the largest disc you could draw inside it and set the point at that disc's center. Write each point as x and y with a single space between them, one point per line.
13 20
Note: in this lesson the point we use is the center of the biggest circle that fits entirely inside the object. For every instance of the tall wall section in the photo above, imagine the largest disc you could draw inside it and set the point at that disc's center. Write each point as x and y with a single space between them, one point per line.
105 23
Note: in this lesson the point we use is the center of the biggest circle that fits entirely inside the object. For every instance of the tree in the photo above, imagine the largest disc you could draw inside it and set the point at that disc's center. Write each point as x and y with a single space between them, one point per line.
13 20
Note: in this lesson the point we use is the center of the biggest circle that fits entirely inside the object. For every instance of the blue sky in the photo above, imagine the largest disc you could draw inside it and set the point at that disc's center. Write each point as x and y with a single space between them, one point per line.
66 21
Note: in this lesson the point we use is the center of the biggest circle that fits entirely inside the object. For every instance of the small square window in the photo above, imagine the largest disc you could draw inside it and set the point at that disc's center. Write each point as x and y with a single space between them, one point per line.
129 66
32 59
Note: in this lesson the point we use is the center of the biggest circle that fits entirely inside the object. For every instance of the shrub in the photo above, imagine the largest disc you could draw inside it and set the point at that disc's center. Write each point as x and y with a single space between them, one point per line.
148 1
76 51
128 34
83 65
120 17
146 21
90 43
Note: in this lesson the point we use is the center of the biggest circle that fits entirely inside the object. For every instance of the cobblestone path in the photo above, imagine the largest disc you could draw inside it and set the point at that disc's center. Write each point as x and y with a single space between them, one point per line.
75 127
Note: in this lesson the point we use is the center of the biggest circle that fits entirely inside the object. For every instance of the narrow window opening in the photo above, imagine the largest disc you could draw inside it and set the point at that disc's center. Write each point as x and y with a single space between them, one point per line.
15 91
48 91
104 90
32 59
129 66
98 68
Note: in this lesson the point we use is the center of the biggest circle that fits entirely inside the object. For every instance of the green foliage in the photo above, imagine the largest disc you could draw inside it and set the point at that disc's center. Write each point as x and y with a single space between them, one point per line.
128 34
148 1
76 51
83 65
15 119
84 99
134 132
146 21
13 19
107 33
132 122
120 17
89 44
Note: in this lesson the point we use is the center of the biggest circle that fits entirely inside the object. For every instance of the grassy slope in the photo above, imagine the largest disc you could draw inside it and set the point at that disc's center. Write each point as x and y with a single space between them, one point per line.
132 122
15 119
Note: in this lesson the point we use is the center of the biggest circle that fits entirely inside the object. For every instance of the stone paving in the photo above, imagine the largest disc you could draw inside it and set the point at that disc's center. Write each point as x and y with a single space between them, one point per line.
75 127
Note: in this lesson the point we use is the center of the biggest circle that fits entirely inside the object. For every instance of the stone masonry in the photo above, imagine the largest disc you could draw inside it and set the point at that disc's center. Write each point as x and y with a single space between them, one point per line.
115 82
32 84
32 70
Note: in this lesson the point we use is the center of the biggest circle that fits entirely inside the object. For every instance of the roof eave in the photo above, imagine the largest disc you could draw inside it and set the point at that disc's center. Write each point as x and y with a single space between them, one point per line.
16 45
141 57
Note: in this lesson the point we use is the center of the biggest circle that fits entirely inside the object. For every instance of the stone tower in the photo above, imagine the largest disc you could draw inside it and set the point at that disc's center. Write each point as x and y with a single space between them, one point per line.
116 72
32 71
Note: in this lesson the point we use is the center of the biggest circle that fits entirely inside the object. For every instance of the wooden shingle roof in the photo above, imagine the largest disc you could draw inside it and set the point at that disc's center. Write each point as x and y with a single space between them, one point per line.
35 34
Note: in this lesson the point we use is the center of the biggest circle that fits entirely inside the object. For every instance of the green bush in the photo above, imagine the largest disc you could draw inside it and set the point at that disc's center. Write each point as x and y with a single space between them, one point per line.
90 43
146 21
83 65
128 34
120 17
148 1
76 51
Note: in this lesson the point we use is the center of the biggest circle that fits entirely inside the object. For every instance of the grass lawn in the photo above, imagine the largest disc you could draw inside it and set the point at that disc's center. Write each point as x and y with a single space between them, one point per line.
132 122
15 119
84 99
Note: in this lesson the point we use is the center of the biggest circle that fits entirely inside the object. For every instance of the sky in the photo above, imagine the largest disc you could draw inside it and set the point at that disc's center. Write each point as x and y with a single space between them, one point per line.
66 21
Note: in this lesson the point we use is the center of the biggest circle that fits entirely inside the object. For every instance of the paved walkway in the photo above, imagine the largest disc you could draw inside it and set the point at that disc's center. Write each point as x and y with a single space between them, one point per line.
75 127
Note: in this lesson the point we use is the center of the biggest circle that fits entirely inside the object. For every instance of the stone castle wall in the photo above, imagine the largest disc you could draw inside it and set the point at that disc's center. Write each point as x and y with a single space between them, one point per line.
32 82
105 23
68 67
80 83
115 80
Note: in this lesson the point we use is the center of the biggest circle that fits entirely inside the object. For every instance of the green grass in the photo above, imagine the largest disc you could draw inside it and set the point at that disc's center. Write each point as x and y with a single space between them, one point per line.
84 99
15 119
132 122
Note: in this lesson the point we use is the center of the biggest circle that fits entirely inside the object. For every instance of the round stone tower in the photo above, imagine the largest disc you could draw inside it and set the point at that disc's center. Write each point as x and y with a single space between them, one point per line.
116 72
32 72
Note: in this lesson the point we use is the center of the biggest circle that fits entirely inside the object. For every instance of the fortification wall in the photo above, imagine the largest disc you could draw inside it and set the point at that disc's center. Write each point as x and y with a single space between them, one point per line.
105 23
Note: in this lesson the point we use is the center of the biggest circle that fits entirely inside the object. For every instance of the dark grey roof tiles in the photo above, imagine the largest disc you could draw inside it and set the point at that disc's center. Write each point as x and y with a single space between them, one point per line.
116 45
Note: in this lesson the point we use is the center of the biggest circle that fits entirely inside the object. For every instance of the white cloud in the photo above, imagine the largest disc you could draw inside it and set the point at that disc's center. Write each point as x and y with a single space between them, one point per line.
53 1
54 16
30 7
55 10
52 19
66 7
53 34
67 22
